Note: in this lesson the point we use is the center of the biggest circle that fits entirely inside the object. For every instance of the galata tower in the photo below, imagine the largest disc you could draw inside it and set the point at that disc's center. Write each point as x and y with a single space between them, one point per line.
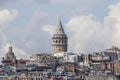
59 39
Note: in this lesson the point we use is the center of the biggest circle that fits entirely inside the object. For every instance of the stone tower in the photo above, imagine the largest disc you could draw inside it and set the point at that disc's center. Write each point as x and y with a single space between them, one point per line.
10 54
59 39
10 58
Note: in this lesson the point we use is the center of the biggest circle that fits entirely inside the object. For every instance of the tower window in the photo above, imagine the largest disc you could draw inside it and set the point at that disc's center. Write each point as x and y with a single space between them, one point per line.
62 42
59 41
59 49
56 41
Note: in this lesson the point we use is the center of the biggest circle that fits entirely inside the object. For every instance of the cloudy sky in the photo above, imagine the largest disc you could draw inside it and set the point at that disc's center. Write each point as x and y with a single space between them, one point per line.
28 25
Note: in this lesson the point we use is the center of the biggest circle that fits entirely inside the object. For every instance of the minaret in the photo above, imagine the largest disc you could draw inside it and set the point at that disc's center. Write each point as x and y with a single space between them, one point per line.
10 49
59 40
10 54
9 58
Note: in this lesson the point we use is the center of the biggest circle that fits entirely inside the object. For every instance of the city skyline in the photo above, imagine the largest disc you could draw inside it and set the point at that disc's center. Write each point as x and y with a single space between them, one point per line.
90 25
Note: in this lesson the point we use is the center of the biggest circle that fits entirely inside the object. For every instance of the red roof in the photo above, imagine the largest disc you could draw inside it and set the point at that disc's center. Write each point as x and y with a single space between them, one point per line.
23 61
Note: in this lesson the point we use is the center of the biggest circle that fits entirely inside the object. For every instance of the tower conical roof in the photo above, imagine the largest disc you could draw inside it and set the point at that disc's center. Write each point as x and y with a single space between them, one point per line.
60 29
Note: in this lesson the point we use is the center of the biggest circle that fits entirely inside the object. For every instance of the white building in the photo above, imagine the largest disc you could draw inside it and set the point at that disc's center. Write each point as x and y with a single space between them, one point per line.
71 58
60 54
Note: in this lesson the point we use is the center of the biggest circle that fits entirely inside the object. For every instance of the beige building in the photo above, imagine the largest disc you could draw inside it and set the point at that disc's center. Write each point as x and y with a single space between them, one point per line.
59 40
106 65
69 66
41 59
113 52
116 67
86 60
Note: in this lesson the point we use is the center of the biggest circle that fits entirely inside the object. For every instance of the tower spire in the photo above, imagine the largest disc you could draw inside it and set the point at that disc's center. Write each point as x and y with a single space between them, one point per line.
60 29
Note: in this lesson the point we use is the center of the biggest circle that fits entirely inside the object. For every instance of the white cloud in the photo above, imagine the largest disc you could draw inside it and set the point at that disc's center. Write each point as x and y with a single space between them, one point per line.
112 23
85 31
90 35
49 28
7 16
